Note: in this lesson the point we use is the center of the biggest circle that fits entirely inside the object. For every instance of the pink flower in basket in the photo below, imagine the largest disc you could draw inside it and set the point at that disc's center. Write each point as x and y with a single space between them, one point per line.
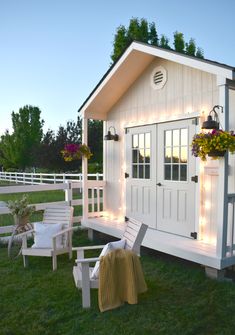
72 152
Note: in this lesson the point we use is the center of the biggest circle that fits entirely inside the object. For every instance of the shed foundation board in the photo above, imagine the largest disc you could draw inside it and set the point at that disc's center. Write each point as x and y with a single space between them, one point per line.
214 273
185 248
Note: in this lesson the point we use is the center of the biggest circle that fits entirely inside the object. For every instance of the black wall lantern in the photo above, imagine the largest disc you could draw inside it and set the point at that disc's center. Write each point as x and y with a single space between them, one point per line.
212 121
110 136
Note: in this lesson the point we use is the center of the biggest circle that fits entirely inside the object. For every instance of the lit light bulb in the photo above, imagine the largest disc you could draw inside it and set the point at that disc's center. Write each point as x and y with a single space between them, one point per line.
207 205
207 185
213 240
206 239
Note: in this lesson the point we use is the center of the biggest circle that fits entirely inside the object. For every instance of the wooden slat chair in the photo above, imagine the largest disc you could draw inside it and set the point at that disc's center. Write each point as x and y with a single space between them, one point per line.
52 215
133 234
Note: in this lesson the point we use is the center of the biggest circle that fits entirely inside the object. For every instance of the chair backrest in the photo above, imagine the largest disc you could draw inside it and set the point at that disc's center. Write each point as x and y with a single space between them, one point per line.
59 214
134 234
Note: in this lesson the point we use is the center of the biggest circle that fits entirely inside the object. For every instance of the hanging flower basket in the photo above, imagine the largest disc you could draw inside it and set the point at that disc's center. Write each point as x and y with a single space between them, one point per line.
213 144
216 153
72 152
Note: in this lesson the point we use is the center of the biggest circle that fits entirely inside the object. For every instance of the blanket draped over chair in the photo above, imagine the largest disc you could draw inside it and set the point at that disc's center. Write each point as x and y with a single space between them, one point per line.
121 279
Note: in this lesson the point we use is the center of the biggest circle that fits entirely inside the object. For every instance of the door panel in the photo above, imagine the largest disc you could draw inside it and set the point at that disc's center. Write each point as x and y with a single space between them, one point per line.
134 198
182 205
141 167
167 195
146 192
176 191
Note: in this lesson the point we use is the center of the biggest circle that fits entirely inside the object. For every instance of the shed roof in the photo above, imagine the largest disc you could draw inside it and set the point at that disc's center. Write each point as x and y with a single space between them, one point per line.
134 60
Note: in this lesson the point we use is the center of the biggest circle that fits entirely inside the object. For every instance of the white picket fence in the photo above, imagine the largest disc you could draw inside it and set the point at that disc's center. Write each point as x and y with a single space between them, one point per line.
45 178
95 197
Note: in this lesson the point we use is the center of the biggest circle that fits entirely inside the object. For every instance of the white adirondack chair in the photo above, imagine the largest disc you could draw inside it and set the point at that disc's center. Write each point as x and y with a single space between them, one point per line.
52 215
133 234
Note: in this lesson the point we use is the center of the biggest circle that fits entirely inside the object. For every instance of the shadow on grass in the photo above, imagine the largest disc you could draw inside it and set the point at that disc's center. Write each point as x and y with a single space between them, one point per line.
179 300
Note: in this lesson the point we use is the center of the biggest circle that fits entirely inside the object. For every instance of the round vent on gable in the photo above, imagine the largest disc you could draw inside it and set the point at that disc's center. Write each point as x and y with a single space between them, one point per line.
158 78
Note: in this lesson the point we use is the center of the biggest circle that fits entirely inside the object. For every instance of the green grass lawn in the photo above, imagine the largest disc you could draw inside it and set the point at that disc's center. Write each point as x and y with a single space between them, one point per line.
179 300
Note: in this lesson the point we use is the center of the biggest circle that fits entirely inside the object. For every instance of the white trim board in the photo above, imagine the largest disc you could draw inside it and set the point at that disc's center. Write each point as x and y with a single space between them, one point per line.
194 62
173 119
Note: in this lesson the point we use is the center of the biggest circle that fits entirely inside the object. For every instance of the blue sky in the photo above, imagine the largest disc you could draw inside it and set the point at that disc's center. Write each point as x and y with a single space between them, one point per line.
53 52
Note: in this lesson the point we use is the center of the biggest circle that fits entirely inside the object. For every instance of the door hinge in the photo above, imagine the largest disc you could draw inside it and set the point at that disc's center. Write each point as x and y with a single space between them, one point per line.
126 175
126 130
195 179
194 235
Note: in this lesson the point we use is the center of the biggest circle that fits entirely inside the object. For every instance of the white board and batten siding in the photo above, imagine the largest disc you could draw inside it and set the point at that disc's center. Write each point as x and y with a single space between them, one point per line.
231 180
186 94
231 171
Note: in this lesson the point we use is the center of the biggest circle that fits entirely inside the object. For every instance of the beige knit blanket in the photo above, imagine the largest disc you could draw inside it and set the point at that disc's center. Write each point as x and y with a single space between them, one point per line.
121 279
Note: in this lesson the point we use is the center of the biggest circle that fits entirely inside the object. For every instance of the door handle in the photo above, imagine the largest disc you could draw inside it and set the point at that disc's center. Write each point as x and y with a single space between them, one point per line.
159 184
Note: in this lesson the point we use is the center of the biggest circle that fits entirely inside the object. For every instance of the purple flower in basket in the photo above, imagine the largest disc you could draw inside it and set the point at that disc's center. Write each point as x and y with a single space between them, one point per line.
73 152
72 148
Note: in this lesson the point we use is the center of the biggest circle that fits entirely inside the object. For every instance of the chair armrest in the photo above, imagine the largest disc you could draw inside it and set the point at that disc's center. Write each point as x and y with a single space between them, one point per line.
92 247
64 231
87 260
25 233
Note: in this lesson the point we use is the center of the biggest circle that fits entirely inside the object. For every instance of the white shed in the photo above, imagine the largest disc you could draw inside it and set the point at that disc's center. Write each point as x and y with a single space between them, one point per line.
155 100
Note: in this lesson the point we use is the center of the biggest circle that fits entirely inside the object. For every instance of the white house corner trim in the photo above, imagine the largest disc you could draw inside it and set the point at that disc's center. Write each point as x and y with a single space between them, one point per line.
104 164
198 193
223 174
85 169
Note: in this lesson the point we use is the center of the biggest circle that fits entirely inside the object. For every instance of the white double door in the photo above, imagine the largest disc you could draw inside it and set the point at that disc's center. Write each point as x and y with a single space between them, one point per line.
159 189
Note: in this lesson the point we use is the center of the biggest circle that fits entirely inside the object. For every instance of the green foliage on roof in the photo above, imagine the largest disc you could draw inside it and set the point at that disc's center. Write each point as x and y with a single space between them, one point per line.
143 31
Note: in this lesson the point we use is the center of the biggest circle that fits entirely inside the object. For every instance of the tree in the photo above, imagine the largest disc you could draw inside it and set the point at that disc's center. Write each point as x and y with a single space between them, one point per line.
50 157
200 53
138 30
8 154
20 149
120 43
141 30
179 43
52 144
133 31
144 31
164 42
95 140
46 154
153 37
190 47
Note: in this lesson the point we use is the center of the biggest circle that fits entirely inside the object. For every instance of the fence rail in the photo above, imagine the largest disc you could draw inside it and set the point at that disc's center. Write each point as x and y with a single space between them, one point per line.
45 178
95 197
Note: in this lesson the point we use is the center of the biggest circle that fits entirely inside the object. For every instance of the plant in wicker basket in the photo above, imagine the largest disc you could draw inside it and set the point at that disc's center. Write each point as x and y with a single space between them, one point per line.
213 144
21 211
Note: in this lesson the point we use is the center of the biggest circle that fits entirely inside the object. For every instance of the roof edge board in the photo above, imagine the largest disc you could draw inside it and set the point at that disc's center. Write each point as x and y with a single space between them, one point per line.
110 73
200 64
183 59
